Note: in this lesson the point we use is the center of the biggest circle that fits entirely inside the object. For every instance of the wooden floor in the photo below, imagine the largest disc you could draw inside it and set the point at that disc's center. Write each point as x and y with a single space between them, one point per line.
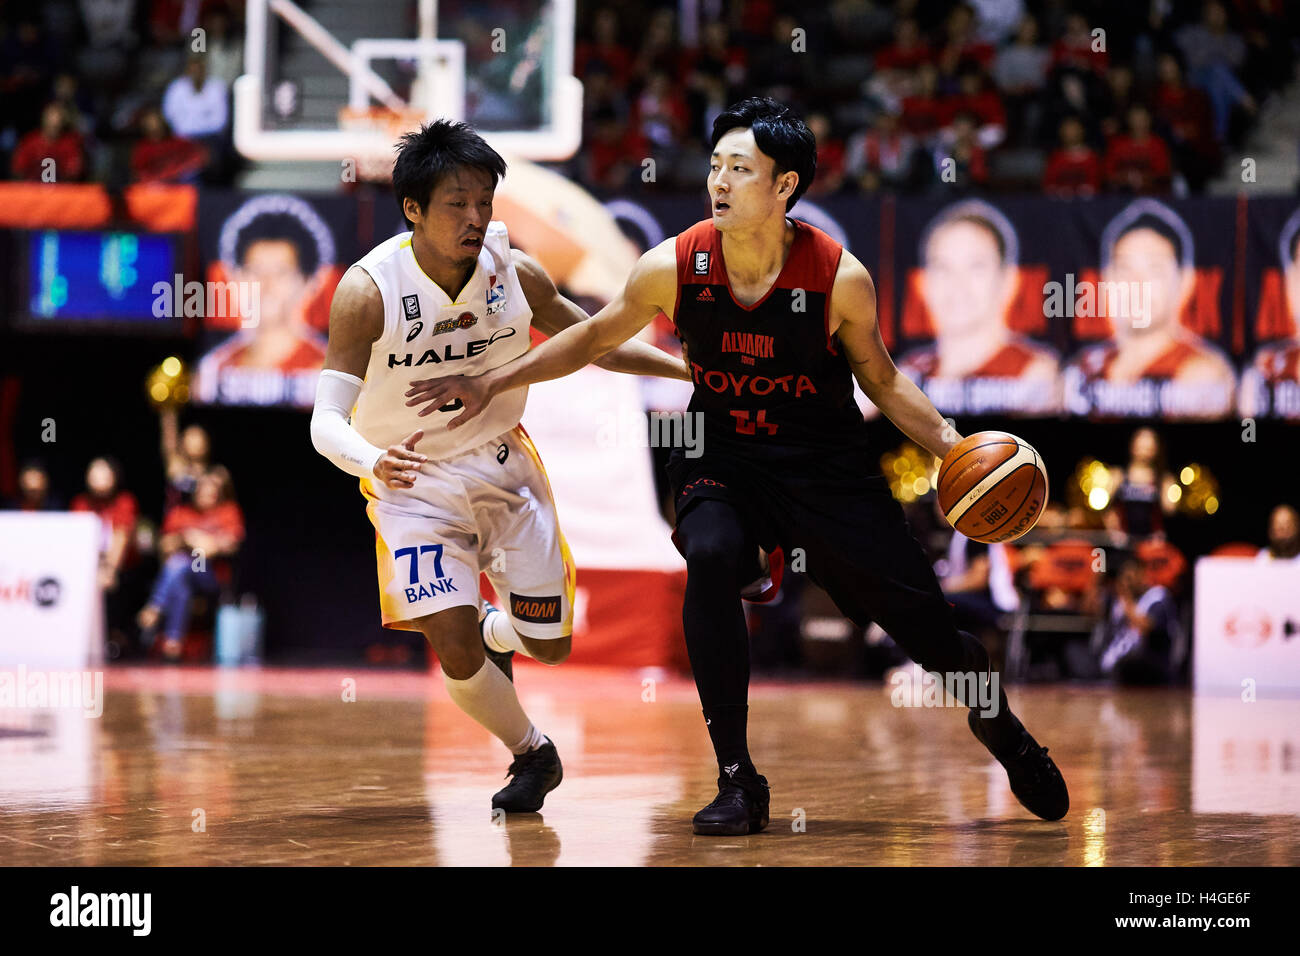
209 767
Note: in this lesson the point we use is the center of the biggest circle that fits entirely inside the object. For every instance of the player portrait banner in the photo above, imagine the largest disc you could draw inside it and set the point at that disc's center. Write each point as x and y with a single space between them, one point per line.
1110 308
270 264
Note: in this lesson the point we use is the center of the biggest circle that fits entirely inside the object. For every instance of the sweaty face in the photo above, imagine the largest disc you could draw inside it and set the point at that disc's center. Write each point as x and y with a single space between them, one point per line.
1145 256
456 217
965 284
742 190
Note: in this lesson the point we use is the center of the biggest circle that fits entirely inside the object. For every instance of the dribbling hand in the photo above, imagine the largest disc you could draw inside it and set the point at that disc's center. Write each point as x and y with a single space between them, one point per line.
399 466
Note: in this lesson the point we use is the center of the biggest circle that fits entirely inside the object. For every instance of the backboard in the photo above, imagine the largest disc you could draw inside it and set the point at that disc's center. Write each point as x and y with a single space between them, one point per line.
340 79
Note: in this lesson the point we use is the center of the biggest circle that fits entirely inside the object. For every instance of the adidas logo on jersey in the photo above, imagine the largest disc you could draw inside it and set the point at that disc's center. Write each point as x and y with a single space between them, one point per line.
705 295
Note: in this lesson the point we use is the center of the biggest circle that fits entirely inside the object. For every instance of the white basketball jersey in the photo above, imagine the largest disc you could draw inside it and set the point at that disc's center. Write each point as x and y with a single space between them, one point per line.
427 335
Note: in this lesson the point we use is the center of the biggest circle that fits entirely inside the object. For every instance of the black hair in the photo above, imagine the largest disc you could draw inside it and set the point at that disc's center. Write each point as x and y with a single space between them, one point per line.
1161 227
981 214
425 156
780 135
280 226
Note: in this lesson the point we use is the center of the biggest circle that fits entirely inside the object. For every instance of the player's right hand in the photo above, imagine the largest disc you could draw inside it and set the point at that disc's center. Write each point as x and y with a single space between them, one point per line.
399 466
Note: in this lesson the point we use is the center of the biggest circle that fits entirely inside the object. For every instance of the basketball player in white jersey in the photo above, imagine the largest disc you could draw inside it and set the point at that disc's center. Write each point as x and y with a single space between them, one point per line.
452 297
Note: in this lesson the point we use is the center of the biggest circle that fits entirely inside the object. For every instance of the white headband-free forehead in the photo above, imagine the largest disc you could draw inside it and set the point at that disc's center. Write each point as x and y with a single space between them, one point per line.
1140 209
981 210
276 204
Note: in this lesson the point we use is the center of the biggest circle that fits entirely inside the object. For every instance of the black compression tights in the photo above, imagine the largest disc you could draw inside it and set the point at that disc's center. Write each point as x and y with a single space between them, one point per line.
720 560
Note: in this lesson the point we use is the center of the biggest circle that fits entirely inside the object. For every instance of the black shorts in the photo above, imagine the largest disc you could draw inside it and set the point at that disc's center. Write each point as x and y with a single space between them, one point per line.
833 515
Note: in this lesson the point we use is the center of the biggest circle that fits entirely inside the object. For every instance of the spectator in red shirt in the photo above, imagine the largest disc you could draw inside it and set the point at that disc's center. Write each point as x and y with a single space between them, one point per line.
1183 112
162 156
117 510
924 111
962 42
120 579
960 143
1074 169
1137 162
603 51
908 51
974 97
53 140
1075 47
830 157
197 541
613 152
882 156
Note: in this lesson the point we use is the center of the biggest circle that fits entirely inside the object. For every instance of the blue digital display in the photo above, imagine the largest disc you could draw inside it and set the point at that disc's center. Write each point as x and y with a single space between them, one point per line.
99 276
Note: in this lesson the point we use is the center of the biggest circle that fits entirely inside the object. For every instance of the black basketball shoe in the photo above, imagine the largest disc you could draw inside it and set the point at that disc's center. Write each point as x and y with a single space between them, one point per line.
536 774
1035 781
502 659
739 808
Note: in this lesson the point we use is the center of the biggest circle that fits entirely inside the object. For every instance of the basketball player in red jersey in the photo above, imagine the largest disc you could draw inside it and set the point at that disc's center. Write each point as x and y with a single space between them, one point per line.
777 320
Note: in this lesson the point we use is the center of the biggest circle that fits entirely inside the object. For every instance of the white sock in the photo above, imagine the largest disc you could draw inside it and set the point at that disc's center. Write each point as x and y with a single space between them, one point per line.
500 634
490 699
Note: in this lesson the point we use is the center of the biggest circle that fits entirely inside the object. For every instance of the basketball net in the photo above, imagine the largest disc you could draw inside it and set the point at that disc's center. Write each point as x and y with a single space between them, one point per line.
370 167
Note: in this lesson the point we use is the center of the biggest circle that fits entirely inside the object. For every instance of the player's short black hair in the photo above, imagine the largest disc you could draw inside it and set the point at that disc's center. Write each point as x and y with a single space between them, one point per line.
1154 215
275 226
780 133
435 150
978 213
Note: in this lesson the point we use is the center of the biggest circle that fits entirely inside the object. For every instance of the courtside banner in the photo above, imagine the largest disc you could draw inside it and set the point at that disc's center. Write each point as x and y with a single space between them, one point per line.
49 598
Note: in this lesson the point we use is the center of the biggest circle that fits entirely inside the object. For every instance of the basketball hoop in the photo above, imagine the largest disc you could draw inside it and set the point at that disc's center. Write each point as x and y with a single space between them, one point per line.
378 119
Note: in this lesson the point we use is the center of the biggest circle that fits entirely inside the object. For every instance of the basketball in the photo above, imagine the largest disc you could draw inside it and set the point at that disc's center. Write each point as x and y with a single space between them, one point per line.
992 486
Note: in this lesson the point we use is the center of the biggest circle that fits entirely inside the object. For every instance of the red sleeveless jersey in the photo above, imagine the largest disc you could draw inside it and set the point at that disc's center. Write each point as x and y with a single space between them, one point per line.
767 375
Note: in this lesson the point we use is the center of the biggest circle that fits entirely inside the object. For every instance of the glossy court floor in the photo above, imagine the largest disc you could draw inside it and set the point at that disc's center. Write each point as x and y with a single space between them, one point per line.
275 767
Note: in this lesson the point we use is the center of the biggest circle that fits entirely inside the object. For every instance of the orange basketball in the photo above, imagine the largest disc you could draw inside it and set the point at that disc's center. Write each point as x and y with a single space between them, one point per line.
992 486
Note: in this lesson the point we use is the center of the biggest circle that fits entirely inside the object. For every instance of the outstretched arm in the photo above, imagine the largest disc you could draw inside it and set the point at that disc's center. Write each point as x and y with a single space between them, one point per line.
651 288
553 313
853 316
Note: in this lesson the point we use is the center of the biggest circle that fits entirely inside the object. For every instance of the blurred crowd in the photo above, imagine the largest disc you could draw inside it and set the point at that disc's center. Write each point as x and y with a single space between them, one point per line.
1086 595
123 92
1068 96
151 573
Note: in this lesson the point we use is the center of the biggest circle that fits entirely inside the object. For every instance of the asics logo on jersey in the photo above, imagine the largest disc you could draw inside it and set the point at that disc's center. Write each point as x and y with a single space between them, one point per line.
416 329
472 348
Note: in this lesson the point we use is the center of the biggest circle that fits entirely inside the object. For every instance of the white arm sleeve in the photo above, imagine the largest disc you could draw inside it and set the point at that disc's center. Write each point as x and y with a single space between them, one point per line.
331 433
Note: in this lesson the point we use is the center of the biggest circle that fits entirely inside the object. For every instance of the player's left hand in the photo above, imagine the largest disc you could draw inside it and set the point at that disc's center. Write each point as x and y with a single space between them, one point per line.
450 393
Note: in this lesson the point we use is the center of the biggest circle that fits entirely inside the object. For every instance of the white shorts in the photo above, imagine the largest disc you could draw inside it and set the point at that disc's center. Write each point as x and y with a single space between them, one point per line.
490 510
